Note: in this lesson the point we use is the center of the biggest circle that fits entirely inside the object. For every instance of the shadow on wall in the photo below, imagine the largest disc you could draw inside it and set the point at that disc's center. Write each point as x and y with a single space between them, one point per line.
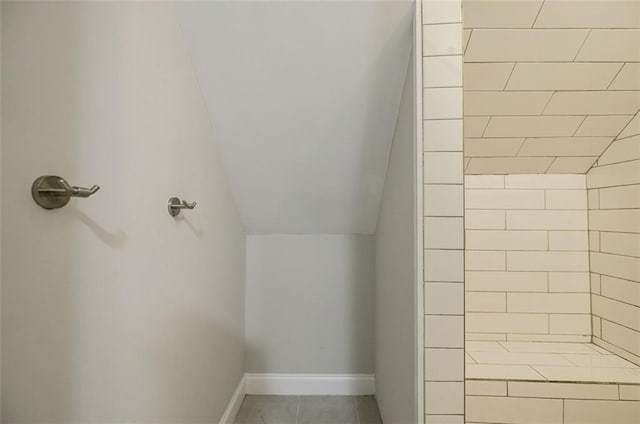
112 311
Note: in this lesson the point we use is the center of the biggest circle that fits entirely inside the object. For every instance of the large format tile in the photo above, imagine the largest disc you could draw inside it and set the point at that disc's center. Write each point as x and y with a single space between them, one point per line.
501 372
327 410
588 374
268 410
534 347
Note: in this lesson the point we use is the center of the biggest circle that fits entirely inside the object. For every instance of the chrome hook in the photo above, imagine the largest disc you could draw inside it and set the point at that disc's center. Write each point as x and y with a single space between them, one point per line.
175 205
52 192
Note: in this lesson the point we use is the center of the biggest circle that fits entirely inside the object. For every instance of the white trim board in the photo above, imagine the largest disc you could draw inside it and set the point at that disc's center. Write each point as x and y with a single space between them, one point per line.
234 404
310 384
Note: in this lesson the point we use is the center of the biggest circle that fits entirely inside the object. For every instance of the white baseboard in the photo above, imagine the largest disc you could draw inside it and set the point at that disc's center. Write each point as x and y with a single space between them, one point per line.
234 404
310 384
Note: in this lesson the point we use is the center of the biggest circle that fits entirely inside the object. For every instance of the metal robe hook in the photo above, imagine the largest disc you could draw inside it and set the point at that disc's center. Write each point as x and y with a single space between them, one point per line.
175 205
52 192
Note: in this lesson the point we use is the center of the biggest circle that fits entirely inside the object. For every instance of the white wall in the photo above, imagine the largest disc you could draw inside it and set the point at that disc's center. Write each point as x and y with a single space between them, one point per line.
112 311
310 304
395 344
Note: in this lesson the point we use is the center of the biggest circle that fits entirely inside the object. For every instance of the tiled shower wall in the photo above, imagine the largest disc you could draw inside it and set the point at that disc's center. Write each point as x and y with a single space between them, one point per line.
614 224
527 263
443 210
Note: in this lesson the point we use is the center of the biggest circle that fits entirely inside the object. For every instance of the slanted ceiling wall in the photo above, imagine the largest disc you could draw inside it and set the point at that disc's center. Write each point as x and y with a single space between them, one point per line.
548 85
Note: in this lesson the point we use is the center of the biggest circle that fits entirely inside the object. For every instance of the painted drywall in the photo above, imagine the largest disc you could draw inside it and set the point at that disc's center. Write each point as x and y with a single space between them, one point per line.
527 260
112 311
304 97
614 244
395 344
309 304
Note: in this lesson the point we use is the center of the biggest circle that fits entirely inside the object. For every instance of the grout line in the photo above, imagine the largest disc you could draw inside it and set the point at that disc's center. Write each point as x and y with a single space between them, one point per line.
578 129
616 76
537 14
582 45
509 77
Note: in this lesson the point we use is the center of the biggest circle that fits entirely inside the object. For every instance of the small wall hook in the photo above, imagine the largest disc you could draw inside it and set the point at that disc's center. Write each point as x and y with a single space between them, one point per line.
175 205
52 192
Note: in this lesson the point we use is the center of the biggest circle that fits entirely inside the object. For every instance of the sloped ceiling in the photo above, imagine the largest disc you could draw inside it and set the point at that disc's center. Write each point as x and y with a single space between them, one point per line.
303 97
548 84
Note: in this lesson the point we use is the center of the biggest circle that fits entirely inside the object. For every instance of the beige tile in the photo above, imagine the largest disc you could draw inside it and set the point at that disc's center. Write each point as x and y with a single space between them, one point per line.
487 409
623 290
504 199
547 220
506 240
572 303
442 39
532 126
565 146
483 103
594 241
566 199
481 322
621 151
507 165
629 392
618 312
443 168
485 302
491 147
620 243
569 282
479 346
438 12
613 175
599 361
443 200
572 165
601 412
628 78
547 261
442 103
484 219
444 364
501 372
549 338
539 347
590 14
588 374
476 260
593 199
571 323
444 331
595 283
563 390
562 76
625 338
620 197
444 265
444 397
442 135
506 281
594 103
444 298
611 45
474 125
468 359
569 240
485 388
486 76
633 128
596 326
485 336
444 419
443 233
623 220
442 71
496 14
548 182
466 35
512 358
619 266
616 350
603 125
483 181
524 45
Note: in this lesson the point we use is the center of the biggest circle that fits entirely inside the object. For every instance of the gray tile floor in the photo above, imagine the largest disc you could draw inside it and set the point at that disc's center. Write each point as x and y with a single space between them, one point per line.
308 410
